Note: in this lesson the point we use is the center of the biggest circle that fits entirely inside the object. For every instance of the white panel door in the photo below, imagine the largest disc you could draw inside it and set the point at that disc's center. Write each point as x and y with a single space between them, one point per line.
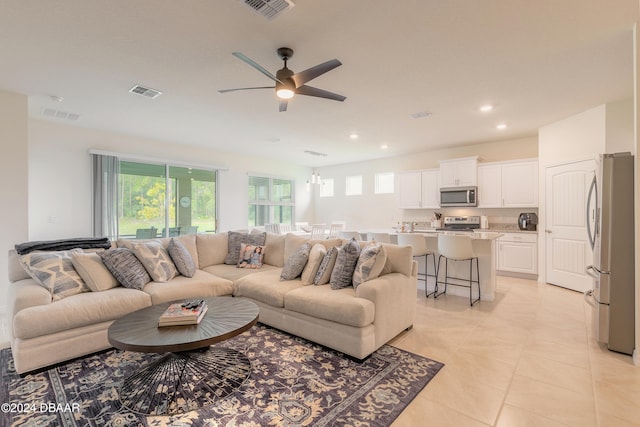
567 245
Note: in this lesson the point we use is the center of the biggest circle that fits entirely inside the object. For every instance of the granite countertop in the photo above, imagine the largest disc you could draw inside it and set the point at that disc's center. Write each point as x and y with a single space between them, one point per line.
508 228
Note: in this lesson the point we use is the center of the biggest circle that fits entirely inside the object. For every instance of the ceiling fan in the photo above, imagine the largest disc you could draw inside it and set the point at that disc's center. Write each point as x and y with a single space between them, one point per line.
288 83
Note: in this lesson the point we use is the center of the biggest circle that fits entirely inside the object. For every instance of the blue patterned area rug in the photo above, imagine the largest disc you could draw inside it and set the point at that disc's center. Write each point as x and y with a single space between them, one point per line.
293 382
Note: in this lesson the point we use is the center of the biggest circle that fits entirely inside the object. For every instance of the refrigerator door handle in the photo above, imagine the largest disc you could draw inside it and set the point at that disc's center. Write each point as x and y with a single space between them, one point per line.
593 191
590 270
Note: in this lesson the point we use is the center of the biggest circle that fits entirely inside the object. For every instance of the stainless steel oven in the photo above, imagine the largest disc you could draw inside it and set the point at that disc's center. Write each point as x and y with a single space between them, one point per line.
459 196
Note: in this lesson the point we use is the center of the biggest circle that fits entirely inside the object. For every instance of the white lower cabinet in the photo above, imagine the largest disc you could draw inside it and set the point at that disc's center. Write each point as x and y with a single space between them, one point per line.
517 253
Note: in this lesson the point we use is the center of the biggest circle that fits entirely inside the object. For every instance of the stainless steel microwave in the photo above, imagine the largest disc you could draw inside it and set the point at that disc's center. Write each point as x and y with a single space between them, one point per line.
459 196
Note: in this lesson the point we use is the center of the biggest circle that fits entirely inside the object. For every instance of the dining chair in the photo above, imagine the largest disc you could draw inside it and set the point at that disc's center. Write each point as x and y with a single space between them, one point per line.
335 229
303 226
284 228
146 233
317 231
419 244
458 248
271 228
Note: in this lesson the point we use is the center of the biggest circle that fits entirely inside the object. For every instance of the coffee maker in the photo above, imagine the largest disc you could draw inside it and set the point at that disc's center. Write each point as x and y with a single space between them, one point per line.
528 221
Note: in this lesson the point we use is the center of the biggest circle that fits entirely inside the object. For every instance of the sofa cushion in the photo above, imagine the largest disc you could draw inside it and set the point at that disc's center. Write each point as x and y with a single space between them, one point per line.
125 267
342 273
323 275
250 256
316 255
274 249
370 263
294 265
236 239
202 284
90 267
212 249
265 287
233 273
88 308
294 241
55 272
181 258
341 306
156 261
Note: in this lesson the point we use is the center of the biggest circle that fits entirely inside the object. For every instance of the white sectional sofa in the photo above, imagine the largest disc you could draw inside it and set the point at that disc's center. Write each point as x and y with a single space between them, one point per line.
355 321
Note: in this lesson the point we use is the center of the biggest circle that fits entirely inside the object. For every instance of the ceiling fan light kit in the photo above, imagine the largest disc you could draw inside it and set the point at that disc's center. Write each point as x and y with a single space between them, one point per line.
288 83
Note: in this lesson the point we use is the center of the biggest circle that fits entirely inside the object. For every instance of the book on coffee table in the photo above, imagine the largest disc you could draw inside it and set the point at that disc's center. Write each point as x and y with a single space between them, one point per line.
187 313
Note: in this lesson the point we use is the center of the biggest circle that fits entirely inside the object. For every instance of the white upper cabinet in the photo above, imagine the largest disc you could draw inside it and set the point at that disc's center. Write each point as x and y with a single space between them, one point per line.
409 190
508 184
418 189
431 189
458 172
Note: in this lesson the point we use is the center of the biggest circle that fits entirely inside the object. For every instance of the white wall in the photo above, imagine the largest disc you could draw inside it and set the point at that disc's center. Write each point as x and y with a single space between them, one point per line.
371 211
60 177
13 180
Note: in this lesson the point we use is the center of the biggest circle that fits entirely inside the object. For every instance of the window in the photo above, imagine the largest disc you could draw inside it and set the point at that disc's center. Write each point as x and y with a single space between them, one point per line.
162 200
353 186
326 187
384 183
270 201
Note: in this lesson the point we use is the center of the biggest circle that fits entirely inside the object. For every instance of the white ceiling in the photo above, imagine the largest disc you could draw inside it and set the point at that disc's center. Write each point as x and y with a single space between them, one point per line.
536 61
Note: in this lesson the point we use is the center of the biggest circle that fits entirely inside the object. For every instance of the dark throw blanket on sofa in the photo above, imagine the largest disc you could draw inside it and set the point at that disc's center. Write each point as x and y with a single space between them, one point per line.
64 244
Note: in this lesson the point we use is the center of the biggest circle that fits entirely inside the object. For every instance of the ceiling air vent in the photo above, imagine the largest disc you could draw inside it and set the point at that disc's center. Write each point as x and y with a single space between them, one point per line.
270 9
57 114
145 91
315 153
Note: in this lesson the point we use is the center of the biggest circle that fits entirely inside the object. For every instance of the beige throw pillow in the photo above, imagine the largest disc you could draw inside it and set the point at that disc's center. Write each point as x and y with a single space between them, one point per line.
318 251
370 263
156 260
92 270
54 271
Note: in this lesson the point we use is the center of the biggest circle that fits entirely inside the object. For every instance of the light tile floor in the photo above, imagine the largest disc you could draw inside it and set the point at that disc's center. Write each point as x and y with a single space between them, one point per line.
525 359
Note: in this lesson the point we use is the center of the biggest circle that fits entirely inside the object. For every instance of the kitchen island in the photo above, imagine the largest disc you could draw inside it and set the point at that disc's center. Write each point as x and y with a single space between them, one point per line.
484 246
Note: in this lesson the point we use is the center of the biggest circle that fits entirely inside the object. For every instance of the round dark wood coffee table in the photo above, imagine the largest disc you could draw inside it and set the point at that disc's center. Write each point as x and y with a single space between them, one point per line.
191 374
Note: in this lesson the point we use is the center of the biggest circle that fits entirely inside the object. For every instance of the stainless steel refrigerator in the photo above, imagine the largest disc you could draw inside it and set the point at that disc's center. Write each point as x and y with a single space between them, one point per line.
611 234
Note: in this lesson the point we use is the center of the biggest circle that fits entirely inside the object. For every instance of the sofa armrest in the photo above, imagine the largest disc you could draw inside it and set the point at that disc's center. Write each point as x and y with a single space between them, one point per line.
27 293
395 298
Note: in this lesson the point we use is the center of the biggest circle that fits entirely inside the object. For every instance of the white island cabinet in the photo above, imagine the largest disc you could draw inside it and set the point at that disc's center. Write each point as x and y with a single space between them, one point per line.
484 246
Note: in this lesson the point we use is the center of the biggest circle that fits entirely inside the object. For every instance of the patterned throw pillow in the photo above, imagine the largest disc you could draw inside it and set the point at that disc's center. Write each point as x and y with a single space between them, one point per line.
250 256
181 258
342 273
236 239
326 267
156 261
91 269
124 265
318 251
370 263
54 271
294 265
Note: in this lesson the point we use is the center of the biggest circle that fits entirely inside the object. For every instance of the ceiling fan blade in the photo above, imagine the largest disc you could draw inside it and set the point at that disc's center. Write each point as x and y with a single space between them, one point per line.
255 65
283 105
245 88
311 73
320 93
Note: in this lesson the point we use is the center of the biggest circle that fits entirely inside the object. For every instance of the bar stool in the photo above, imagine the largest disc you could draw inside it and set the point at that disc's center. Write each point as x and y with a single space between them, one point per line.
419 244
457 248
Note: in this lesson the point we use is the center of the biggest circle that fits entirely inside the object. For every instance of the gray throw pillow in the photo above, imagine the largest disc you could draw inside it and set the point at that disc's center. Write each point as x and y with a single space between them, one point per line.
294 265
156 260
181 258
342 273
55 272
323 274
236 239
125 267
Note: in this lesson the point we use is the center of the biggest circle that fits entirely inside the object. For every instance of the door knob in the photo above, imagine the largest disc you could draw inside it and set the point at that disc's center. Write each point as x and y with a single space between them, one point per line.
548 231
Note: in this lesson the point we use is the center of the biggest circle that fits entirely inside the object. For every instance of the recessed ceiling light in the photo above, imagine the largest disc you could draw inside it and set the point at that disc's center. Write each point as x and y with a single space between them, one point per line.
501 126
384 146
354 136
486 108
